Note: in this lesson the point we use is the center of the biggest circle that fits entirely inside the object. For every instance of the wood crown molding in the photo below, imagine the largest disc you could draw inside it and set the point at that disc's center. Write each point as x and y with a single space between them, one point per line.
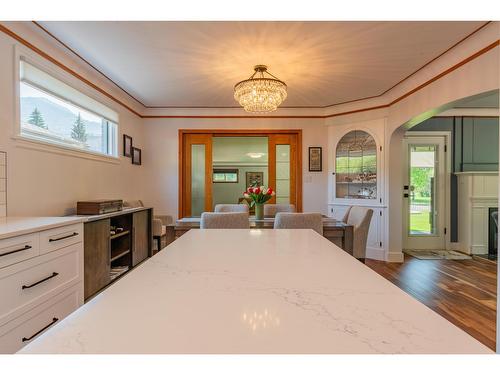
46 56
289 107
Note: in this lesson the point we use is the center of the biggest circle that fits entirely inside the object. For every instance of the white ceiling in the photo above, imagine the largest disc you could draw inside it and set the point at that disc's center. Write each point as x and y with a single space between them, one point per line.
196 64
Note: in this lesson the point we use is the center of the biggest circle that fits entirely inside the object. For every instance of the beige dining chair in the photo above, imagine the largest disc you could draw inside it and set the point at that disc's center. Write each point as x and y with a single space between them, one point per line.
224 220
292 220
231 207
270 210
346 214
359 218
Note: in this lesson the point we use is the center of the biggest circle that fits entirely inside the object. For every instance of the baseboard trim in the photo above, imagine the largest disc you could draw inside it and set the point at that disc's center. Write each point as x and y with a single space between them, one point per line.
375 253
395 257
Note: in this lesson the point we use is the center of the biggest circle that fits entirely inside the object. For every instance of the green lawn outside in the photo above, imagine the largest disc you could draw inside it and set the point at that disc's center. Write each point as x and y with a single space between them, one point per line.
419 223
421 200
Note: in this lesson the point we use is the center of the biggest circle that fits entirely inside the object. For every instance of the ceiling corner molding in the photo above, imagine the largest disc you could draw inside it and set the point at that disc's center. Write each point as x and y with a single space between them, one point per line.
56 62
87 62
51 59
289 107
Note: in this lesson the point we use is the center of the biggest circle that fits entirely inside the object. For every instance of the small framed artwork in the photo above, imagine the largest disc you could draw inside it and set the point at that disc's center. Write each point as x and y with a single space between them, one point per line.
254 178
136 156
315 159
127 145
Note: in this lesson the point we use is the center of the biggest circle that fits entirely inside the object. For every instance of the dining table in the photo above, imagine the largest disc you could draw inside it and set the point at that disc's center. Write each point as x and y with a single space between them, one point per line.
336 231
256 291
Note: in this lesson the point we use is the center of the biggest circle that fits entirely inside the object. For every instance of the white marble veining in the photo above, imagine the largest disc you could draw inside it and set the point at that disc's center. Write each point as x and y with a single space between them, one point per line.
11 226
254 291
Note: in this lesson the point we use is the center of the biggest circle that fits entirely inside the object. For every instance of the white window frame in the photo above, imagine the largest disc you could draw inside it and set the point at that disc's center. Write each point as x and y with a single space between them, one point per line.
23 141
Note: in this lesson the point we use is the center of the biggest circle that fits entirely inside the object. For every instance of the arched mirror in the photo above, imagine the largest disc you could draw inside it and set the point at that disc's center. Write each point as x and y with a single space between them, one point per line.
356 166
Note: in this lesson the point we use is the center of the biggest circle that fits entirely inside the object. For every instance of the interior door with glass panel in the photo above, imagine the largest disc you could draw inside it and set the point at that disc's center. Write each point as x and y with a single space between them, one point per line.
197 174
424 193
283 154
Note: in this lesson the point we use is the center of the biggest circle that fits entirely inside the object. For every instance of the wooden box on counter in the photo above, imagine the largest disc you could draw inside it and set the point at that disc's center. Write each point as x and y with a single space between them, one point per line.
98 206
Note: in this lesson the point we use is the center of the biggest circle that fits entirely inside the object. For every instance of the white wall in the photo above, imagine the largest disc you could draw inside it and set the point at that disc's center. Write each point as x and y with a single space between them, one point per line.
230 192
46 183
162 137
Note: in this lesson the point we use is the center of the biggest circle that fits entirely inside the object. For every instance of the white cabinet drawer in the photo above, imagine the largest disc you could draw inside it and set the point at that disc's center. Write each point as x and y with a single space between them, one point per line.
26 284
57 238
26 328
17 249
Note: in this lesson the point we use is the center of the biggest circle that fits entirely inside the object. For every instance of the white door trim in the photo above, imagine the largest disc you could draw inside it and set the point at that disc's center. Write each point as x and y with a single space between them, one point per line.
446 135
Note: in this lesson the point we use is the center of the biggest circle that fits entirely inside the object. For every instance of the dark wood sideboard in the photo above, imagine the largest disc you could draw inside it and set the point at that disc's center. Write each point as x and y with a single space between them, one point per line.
108 256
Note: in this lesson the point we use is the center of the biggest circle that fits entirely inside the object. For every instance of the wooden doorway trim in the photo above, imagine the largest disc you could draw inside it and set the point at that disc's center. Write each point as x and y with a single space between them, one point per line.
239 133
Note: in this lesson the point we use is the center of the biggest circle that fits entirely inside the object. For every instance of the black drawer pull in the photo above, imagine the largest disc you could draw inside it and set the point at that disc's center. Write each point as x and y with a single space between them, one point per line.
27 247
54 320
54 274
63 238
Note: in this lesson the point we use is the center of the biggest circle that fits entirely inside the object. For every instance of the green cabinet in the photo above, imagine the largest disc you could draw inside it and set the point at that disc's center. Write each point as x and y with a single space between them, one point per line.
476 144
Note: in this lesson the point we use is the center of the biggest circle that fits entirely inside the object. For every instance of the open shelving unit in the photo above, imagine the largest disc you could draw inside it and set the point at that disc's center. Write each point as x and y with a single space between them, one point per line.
118 235
120 246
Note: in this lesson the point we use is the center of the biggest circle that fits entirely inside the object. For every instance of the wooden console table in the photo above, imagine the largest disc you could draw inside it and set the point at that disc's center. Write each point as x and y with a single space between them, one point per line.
108 256
338 232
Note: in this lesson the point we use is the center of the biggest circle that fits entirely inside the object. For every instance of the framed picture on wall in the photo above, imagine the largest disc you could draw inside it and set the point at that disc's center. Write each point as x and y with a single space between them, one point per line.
254 178
315 159
136 156
127 145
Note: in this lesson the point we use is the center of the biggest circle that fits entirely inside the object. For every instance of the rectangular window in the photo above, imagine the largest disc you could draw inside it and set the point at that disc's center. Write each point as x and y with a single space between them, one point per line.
225 175
56 113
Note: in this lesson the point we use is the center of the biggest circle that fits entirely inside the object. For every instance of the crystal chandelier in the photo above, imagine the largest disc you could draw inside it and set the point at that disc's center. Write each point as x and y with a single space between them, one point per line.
260 93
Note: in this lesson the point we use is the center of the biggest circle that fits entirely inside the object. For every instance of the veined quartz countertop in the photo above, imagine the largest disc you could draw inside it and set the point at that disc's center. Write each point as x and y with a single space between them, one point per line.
254 291
11 226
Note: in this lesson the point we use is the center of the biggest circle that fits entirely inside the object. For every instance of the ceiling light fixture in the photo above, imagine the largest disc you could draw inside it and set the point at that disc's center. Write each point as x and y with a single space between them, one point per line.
260 93
255 155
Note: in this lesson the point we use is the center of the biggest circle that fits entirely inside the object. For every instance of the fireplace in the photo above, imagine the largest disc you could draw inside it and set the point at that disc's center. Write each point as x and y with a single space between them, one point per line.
492 232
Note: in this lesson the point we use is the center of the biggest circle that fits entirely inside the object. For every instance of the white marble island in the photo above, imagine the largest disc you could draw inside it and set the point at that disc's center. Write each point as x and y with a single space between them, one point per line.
254 291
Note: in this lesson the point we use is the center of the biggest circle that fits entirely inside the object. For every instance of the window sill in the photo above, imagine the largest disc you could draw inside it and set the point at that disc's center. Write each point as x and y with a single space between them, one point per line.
39 145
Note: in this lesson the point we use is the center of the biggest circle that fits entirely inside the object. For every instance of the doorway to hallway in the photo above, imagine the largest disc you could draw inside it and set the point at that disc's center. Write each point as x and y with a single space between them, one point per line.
199 172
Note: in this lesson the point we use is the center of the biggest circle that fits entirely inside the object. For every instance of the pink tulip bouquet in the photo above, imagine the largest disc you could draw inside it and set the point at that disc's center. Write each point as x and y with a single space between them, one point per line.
259 195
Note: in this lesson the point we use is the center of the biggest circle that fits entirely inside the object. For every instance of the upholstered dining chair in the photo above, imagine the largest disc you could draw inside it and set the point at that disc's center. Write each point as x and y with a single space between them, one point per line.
270 210
231 207
224 220
292 220
359 218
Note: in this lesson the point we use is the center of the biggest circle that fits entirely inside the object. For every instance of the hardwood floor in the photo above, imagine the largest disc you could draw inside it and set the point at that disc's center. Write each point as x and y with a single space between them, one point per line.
462 291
